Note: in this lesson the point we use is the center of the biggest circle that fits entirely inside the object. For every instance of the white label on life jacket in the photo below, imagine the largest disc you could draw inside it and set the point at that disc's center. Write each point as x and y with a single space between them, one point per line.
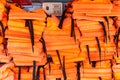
53 7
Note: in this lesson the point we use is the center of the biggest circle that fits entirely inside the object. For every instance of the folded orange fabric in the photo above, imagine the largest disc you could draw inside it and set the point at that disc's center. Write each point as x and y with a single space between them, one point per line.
70 58
114 12
18 13
106 4
4 58
104 47
28 59
26 15
92 11
20 35
66 52
100 69
87 17
116 70
6 72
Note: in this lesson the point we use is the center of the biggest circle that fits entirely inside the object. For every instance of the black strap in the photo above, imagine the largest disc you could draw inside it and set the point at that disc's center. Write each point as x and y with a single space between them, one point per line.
34 70
28 68
114 22
49 68
65 77
105 33
94 64
72 34
2 63
2 27
8 11
58 54
29 24
79 31
58 78
5 42
106 19
117 40
5 29
78 70
112 1
44 73
111 62
38 72
100 78
88 52
72 27
62 66
19 73
44 45
99 47
49 60
62 19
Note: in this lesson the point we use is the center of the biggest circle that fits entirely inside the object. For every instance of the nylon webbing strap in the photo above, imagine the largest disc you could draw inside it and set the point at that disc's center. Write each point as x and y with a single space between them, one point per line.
88 52
117 40
111 68
62 19
99 47
100 78
3 34
58 78
65 77
8 11
106 19
38 73
29 24
105 33
34 70
72 34
72 27
62 66
78 70
2 27
94 64
28 68
49 68
44 45
19 73
79 31
5 45
49 60
44 73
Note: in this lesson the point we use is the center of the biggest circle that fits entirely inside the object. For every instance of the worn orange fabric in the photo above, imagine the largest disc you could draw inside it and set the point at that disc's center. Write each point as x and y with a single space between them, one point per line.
6 72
